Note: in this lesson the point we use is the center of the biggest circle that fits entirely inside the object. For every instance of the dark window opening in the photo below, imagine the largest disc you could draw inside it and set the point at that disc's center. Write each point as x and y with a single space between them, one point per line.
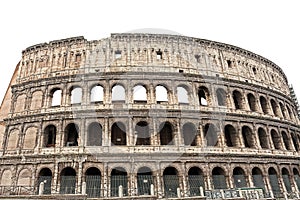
248 137
71 135
45 176
238 100
166 134
67 181
276 139
274 107
118 54
189 134
221 97
264 105
93 182
50 136
197 58
142 133
229 63
274 182
171 181
118 134
239 177
286 141
118 178
258 179
263 138
94 137
210 134
196 180
231 136
251 102
219 179
144 181
159 54
203 95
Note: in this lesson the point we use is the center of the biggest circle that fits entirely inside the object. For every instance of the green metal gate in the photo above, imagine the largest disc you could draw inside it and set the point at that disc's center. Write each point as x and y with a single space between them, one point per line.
67 184
144 184
275 185
171 183
116 181
47 184
240 181
93 186
219 181
195 182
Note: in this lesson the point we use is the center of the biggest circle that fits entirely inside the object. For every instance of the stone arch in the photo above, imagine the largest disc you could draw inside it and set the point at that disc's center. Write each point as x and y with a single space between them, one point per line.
171 181
45 176
97 93
20 103
211 135
237 99
49 136
286 179
166 133
239 177
118 134
118 93
118 177
251 102
144 180
94 136
13 139
161 94
195 180
296 177
93 182
139 94
286 140
273 177
189 132
203 96
263 138
231 136
30 138
274 108
295 141
71 135
182 94
276 139
221 97
264 105
55 97
219 178
290 112
258 180
142 133
282 108
36 100
24 178
248 138
6 178
76 95
68 181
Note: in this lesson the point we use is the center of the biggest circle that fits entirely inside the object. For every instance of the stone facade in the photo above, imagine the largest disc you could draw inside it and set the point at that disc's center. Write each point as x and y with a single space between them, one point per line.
147 110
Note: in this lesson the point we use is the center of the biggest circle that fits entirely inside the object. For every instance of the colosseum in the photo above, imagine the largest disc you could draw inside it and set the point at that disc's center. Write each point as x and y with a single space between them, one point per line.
148 116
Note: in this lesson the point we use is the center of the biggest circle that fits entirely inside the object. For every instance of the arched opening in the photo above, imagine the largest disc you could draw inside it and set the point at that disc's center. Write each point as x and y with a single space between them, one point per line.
93 182
196 180
49 136
274 182
55 96
295 142
264 105
118 94
45 176
282 108
248 137
211 135
182 95
239 177
166 134
142 133
203 95
71 135
139 94
219 178
274 107
189 134
289 112
296 177
237 99
161 94
286 179
221 97
94 136
6 178
231 136
263 138
76 95
286 140
97 94
252 102
118 134
67 181
144 181
171 182
118 178
258 179
276 139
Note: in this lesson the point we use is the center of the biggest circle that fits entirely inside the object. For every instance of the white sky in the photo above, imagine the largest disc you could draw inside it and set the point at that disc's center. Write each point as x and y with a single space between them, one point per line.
269 28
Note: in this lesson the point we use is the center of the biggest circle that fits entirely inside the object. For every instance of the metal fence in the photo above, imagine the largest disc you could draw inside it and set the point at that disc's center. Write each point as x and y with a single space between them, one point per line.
67 185
47 184
93 186
171 183
195 182
116 182
144 184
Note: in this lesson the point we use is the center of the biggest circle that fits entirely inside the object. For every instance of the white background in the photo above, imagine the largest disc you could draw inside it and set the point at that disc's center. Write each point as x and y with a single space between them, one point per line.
269 28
